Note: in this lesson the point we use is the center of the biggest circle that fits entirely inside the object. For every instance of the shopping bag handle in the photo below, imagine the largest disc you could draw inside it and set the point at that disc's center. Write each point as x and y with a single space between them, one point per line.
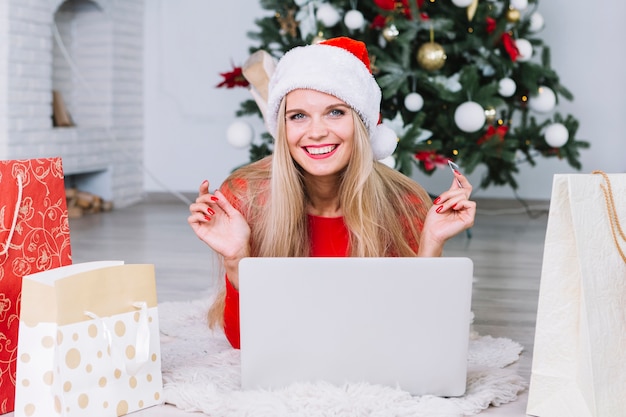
20 189
616 227
142 341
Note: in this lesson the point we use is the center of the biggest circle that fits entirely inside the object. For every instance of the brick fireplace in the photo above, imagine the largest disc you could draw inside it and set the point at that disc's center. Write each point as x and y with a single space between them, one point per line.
90 52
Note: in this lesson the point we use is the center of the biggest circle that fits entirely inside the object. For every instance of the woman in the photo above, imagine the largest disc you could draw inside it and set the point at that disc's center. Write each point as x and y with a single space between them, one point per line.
323 192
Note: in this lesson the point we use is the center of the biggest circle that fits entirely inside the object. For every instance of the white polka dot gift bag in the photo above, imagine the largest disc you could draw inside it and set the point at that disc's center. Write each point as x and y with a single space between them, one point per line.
88 341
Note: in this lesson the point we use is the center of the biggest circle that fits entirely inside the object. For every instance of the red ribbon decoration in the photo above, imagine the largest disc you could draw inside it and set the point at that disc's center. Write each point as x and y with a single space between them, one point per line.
386 4
494 132
378 22
233 78
431 159
491 25
509 46
393 5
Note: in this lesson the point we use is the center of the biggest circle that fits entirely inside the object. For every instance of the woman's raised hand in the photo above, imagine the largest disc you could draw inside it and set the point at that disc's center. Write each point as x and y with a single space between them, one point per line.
452 212
220 225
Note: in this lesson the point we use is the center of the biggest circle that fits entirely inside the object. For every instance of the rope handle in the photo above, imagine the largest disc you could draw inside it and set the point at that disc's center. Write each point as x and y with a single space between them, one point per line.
616 227
20 189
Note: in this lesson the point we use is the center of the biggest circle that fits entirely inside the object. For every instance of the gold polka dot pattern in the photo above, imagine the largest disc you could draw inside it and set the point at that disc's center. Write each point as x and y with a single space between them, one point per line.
91 377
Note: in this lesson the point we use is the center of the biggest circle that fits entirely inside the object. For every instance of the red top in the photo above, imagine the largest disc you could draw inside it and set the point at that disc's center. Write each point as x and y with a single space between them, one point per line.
329 238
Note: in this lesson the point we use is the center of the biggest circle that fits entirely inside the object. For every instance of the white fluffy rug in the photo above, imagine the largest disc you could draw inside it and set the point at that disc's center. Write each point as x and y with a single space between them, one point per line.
201 373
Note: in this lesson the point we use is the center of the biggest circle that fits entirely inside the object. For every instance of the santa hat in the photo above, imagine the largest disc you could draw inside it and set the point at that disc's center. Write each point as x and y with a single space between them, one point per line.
339 67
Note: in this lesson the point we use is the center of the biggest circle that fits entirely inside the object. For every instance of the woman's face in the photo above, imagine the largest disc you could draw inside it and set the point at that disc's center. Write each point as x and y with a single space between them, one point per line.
320 131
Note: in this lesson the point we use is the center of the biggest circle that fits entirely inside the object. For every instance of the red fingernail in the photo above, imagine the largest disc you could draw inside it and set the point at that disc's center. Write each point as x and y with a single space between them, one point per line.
456 171
210 211
439 209
437 200
204 182
207 218
213 198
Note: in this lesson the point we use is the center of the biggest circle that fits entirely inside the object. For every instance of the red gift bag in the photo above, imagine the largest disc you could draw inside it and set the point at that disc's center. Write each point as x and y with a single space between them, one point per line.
34 236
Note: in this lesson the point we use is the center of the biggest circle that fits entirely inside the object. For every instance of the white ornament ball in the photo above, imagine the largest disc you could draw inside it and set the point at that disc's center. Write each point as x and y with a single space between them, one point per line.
506 87
354 20
519 4
239 134
462 3
544 101
556 135
525 49
469 116
536 22
413 102
328 15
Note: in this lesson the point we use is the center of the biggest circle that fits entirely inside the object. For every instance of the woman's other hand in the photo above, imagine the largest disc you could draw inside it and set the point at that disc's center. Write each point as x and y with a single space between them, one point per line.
452 212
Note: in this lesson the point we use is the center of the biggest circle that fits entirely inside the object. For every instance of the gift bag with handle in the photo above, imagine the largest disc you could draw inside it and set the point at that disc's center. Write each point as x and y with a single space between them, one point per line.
89 341
34 236
579 359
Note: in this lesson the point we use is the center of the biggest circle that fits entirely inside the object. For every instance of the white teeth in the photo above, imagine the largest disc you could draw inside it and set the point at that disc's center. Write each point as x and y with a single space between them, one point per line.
322 150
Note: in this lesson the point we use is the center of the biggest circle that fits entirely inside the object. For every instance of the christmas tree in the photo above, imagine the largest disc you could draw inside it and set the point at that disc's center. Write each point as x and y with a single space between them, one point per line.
462 80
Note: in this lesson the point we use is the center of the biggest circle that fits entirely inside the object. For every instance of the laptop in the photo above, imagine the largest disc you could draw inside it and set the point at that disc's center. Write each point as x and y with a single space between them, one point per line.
399 322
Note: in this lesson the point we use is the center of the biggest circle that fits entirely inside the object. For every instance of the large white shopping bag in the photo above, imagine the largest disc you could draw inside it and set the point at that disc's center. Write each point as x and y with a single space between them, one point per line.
579 359
88 341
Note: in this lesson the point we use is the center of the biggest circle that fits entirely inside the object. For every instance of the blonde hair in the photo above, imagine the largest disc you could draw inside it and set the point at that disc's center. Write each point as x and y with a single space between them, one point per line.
383 209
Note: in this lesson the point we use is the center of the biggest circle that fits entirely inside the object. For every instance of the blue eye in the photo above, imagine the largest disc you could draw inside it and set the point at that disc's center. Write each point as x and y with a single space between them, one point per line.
337 112
296 116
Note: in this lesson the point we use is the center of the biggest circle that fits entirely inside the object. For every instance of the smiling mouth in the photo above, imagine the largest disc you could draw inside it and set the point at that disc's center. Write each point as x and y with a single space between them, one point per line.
322 150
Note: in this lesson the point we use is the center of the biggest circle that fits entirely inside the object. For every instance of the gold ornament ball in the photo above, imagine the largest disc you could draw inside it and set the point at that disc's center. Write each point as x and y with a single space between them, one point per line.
431 56
390 32
513 15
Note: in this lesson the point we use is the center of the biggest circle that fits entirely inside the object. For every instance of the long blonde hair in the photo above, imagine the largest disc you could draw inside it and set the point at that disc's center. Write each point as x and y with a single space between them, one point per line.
383 209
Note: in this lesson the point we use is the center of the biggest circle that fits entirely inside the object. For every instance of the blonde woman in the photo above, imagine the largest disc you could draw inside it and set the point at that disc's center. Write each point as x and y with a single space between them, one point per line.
323 191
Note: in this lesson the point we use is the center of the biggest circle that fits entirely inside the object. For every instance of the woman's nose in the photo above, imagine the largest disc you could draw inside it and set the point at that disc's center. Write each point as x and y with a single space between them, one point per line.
318 128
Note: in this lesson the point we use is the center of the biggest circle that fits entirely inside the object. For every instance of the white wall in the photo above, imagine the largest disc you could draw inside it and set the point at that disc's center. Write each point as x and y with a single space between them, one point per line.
188 43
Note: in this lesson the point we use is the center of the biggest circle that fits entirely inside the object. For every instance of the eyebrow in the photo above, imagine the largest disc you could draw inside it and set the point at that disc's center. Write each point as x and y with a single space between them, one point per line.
332 106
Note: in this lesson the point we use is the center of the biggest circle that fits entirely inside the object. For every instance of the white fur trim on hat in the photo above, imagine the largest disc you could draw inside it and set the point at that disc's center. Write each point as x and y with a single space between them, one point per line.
335 71
384 142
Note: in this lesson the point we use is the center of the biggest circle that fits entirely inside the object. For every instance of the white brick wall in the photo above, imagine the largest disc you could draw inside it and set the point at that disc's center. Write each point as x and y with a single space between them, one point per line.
105 99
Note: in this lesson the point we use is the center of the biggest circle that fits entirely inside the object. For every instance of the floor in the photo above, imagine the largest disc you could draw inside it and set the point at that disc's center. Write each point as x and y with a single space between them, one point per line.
506 245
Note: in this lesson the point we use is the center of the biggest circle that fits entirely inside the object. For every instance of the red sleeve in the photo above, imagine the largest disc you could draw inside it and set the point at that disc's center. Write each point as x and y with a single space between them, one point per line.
230 189
231 314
